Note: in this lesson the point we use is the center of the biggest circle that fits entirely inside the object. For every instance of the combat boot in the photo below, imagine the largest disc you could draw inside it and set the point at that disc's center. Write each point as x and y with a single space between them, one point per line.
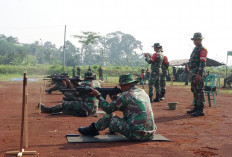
48 91
89 131
192 110
157 99
45 109
199 113
162 95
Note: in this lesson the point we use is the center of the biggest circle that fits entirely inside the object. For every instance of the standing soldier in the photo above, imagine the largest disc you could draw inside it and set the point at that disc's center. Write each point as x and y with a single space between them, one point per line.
197 72
78 71
89 69
100 72
156 62
164 67
186 74
73 72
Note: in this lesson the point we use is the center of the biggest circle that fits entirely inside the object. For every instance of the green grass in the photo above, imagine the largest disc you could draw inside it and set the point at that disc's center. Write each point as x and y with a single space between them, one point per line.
226 90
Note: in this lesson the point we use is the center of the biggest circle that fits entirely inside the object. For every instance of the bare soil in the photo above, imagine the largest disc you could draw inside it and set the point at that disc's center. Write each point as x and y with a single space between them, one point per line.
210 135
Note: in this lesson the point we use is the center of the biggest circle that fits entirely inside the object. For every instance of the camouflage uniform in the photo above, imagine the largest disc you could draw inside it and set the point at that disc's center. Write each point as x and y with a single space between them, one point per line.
137 122
73 72
154 80
164 68
100 71
197 65
84 106
58 86
78 71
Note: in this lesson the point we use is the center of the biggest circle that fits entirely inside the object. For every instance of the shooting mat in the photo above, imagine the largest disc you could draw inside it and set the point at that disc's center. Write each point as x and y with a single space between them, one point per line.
75 138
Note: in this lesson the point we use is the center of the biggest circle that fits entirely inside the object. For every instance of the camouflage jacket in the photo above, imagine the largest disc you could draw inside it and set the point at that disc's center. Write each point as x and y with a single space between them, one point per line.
91 102
156 62
197 61
136 108
164 66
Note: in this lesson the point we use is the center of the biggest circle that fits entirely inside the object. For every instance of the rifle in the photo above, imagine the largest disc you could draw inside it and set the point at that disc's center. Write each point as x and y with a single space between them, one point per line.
104 91
60 79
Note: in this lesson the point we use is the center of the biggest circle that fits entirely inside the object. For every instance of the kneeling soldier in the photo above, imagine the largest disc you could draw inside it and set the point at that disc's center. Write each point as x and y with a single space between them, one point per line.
137 123
85 106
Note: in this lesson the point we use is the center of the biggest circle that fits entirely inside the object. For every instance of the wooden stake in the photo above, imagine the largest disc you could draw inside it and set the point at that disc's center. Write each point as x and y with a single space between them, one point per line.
26 121
24 125
44 93
23 111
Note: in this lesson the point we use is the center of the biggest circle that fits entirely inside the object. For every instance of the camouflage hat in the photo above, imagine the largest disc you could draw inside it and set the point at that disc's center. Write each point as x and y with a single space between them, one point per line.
157 45
126 79
90 74
197 36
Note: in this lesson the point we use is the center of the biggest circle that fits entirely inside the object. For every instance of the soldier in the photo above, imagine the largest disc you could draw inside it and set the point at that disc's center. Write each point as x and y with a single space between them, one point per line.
78 71
197 71
186 71
156 62
89 69
85 106
137 123
100 72
164 67
228 81
59 85
73 72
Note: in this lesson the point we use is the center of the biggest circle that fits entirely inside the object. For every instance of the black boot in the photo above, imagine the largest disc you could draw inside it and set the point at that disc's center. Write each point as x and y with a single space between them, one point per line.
157 99
162 95
199 112
89 131
48 91
45 109
192 110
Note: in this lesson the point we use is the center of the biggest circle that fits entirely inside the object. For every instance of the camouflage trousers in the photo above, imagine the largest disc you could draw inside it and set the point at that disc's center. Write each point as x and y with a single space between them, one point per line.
198 93
119 125
163 83
154 81
76 108
68 96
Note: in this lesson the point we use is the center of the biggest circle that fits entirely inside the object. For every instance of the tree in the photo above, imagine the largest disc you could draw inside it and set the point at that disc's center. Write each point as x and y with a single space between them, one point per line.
88 41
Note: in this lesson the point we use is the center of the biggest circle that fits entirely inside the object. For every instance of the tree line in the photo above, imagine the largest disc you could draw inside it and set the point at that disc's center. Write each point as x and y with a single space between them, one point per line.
116 48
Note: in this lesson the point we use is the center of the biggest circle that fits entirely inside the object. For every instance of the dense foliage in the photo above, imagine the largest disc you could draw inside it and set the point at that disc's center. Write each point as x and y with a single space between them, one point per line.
115 48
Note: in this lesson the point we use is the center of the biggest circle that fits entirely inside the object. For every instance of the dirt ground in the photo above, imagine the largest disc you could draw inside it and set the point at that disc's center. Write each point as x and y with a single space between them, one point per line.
202 136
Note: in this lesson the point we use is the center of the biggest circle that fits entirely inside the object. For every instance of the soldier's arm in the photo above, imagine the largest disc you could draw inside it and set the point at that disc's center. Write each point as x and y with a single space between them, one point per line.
165 61
203 57
118 104
152 59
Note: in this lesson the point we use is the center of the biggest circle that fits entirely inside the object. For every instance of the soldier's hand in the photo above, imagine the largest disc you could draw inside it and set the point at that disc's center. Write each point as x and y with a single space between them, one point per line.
145 54
94 92
113 97
198 79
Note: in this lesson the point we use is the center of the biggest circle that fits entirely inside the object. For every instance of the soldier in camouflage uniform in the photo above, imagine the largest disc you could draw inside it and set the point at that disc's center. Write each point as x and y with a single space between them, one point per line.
156 61
70 96
78 71
84 106
164 68
100 72
74 71
197 64
59 85
137 123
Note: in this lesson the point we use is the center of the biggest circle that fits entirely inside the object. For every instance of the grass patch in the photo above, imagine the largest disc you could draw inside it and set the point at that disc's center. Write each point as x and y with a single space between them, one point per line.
226 90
